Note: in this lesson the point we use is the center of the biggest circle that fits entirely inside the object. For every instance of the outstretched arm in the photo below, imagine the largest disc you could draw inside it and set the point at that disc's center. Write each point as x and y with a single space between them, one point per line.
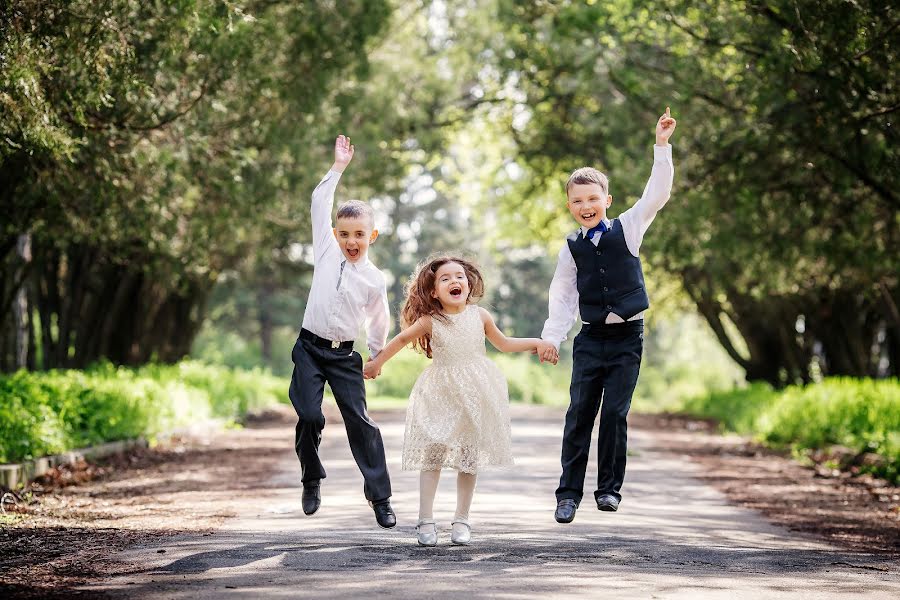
562 303
511 344
373 367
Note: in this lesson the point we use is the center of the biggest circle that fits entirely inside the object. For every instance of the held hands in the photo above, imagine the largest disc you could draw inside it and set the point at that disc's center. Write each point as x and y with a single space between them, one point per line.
343 153
664 128
371 370
547 352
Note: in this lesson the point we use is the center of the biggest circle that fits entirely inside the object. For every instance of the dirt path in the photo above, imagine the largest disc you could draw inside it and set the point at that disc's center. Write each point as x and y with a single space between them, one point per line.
223 520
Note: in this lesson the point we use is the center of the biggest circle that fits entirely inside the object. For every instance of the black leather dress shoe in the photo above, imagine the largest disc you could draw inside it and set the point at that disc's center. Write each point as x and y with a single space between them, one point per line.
384 514
607 502
565 510
312 498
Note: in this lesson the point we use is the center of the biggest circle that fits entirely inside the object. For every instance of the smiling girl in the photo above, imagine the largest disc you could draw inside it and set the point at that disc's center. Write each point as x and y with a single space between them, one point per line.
458 412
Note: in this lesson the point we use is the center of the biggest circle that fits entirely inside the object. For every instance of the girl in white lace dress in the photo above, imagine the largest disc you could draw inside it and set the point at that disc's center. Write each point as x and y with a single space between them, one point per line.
458 414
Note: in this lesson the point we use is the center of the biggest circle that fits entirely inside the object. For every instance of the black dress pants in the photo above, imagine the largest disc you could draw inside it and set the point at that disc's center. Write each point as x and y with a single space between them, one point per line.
342 370
606 363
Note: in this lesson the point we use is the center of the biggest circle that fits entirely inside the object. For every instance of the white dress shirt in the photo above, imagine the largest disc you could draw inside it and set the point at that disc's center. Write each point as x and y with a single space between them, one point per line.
563 302
344 295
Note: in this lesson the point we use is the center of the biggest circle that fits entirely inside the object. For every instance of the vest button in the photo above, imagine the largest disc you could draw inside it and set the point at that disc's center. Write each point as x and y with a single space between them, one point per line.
603 270
605 289
608 306
599 252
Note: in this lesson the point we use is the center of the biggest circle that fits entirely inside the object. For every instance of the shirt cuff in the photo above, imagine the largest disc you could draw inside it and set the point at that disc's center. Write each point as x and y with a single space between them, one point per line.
553 341
373 353
662 153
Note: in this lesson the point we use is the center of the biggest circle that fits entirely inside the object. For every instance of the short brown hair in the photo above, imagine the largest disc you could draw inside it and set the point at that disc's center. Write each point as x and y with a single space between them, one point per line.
587 175
353 209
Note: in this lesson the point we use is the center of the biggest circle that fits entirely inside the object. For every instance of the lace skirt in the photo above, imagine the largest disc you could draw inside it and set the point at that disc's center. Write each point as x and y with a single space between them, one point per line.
458 418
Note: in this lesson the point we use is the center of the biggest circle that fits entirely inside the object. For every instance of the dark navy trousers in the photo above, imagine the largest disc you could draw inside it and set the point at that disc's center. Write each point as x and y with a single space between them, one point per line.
606 363
342 370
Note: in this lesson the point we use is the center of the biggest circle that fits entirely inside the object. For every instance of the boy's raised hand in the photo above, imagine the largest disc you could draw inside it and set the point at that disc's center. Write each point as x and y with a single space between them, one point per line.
664 128
343 153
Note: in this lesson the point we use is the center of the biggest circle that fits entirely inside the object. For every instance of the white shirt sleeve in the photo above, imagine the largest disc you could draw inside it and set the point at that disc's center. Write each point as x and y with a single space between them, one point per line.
320 213
637 219
563 299
378 320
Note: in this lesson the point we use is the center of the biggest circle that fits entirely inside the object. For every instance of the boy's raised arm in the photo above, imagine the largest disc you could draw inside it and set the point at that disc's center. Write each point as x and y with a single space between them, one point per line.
637 219
323 195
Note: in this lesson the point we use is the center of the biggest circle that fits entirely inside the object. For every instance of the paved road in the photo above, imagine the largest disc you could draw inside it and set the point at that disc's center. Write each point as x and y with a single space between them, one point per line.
673 537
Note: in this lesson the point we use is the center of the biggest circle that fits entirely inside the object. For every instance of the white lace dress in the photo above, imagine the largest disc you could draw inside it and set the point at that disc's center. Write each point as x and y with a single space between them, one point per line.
458 412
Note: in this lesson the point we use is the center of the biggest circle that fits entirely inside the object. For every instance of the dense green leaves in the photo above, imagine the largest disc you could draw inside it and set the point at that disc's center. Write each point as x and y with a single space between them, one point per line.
784 216
146 147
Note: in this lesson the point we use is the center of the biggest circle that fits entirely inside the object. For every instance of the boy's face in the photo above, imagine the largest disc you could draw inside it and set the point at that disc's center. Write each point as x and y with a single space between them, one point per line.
588 203
451 286
354 234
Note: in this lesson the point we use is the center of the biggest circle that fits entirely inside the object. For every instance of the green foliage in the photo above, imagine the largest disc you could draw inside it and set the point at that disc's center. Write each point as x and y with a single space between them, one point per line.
46 413
737 410
531 382
786 114
860 414
681 360
236 349
863 415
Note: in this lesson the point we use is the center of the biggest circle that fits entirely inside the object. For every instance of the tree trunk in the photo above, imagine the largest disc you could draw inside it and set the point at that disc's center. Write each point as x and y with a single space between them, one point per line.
20 306
264 312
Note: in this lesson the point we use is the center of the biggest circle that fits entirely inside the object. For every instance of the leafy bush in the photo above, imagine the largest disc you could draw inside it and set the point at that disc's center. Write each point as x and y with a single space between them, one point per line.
49 412
860 414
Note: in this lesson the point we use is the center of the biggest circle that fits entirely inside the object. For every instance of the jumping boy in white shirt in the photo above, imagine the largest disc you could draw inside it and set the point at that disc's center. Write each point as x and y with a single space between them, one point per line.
347 291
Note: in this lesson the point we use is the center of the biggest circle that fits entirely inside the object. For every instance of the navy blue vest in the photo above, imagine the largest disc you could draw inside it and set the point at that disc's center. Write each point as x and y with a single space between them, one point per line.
610 278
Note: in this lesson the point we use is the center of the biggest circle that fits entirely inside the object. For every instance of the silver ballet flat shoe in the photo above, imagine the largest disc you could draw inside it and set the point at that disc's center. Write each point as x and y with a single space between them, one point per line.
461 533
426 532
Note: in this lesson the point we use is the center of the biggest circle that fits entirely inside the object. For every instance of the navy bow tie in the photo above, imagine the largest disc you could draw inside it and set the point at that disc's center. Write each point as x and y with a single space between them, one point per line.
602 228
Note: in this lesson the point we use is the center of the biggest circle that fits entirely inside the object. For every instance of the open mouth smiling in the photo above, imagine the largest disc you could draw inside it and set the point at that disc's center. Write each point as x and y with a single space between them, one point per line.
353 252
456 291
588 216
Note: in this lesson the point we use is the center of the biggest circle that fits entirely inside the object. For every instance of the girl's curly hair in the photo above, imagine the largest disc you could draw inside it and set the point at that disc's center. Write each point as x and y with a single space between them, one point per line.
420 302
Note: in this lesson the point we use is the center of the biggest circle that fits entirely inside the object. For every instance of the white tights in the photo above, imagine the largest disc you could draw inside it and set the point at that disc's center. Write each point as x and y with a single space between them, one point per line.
465 490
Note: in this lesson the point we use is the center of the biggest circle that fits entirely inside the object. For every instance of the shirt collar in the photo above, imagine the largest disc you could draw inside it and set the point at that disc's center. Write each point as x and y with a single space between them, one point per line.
584 229
360 263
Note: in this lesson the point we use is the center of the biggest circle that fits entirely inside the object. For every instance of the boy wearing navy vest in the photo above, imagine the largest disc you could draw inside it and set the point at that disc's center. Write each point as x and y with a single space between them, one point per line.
599 275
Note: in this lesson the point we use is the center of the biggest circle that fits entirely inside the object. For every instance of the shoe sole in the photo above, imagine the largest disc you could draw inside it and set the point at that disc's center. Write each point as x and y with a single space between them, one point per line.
559 520
386 526
607 507
452 543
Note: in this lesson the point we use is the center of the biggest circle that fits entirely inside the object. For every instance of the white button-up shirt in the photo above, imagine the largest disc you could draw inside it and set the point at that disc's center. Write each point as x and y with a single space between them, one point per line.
563 303
344 295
